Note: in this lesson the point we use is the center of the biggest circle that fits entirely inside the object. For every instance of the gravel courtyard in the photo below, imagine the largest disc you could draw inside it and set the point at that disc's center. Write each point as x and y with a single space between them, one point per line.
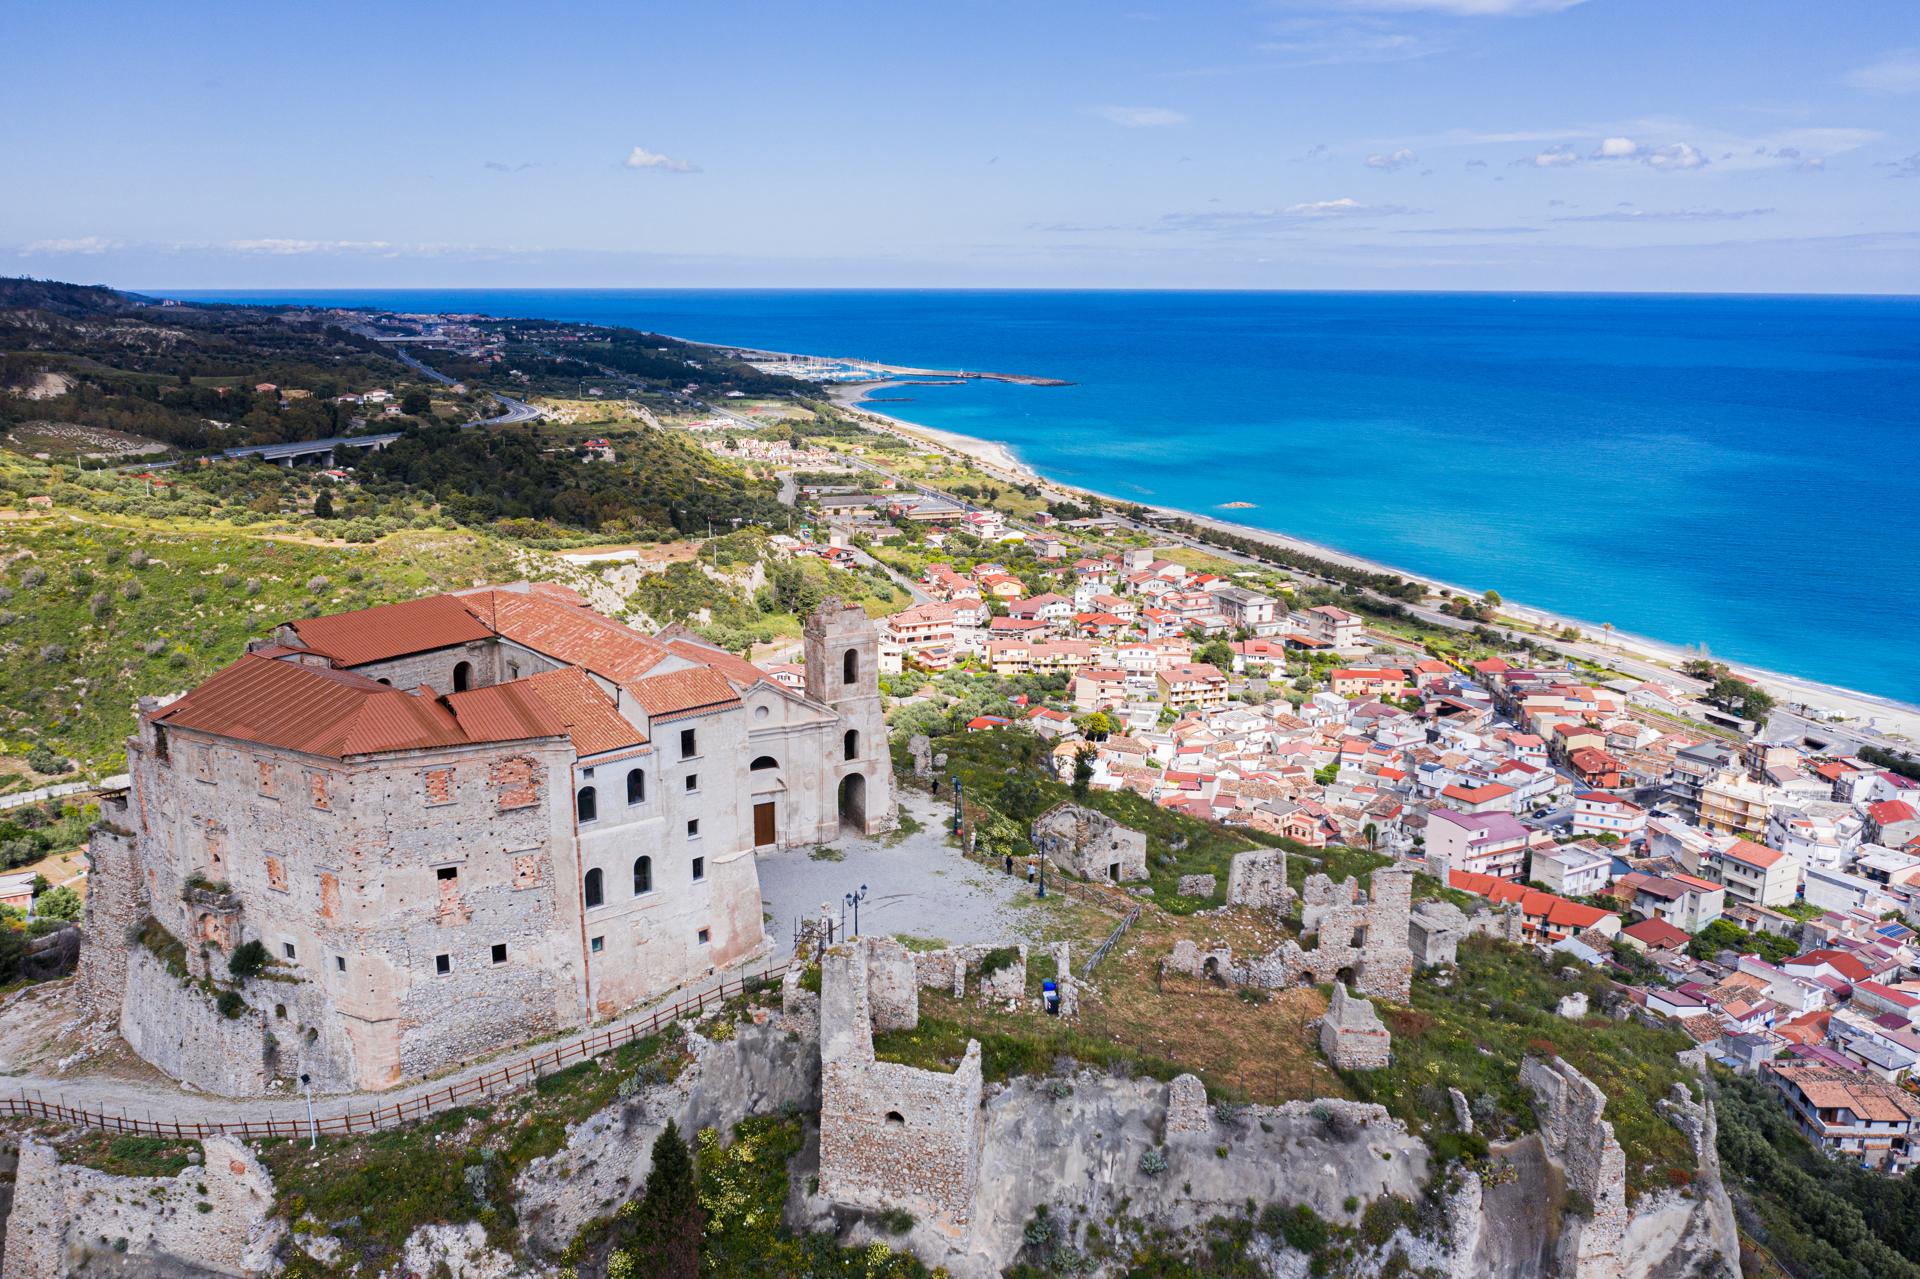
917 886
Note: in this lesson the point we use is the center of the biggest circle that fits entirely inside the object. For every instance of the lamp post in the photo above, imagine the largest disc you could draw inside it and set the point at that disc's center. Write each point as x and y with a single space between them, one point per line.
1042 859
313 1132
854 900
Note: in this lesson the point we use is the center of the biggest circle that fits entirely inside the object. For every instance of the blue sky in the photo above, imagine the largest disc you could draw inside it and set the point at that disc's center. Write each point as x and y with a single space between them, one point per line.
1745 145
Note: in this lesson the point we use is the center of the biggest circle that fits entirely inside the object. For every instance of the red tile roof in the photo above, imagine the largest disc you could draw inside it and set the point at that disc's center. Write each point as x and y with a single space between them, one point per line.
677 694
1657 933
568 633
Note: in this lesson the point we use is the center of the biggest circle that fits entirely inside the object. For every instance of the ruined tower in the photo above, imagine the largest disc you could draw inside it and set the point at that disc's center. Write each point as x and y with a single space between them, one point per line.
843 670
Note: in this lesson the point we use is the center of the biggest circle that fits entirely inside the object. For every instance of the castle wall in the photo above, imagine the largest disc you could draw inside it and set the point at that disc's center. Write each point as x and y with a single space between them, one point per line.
216 1218
358 877
891 1135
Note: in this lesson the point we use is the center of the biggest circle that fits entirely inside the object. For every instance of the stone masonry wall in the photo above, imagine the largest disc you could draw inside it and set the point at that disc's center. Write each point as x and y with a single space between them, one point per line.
215 1218
891 1135
116 905
1576 1136
173 1024
1259 879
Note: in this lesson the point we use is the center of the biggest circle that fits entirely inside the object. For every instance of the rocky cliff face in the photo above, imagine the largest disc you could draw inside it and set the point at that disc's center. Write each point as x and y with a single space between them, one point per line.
763 1069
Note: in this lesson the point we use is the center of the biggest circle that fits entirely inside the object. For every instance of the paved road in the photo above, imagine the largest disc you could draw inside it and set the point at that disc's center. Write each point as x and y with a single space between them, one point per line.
119 781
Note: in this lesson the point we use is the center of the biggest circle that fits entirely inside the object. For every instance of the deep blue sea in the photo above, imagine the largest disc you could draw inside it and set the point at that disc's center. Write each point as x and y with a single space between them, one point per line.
1739 472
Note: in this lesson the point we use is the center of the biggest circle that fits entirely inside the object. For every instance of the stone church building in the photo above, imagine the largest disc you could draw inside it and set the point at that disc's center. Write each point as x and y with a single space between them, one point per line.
458 823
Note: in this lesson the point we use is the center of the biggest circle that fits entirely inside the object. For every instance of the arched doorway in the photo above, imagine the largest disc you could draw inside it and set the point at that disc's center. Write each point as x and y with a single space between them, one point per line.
853 801
462 676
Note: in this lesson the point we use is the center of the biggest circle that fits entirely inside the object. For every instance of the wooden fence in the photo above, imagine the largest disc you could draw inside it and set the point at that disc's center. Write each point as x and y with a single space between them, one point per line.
507 1078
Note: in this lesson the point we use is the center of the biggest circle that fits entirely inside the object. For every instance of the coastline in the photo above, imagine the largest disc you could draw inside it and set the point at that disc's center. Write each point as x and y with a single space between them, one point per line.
1870 711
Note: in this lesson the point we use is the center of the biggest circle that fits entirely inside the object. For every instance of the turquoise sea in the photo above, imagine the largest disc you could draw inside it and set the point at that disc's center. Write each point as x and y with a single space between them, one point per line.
1738 472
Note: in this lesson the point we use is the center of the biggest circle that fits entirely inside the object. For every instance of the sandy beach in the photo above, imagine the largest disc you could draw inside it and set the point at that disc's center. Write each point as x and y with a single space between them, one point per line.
1656 658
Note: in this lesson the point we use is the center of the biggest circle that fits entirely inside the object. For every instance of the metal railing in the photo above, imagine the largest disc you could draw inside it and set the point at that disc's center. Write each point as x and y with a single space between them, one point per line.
506 1078
1100 951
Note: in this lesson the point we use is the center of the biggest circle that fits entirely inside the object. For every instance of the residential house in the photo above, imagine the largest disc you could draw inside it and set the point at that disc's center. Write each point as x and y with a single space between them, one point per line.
1493 844
1851 1114
1597 813
1750 873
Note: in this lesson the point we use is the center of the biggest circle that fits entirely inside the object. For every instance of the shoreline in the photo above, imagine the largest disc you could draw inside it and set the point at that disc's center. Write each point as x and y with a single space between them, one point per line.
1871 712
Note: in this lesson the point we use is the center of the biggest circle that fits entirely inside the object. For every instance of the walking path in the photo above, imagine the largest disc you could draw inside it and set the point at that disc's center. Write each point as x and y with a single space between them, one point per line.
101 1101
118 781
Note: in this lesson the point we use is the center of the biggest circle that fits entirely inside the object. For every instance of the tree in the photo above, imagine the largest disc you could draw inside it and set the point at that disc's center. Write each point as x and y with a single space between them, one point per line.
58 903
1082 771
1097 727
1216 654
323 505
416 403
668 1220
1492 599
1327 775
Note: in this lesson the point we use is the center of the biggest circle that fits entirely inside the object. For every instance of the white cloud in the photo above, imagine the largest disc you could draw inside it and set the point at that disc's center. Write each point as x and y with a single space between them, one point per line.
290 248
1677 155
1292 215
1141 117
1616 149
1666 215
641 158
1895 72
1555 157
86 244
1393 160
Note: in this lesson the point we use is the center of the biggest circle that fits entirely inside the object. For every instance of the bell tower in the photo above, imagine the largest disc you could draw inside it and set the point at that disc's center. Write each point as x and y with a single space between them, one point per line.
842 653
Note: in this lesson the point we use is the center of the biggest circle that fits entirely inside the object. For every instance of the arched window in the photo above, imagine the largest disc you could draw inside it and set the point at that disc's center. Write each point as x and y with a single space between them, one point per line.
850 666
762 763
642 875
462 676
595 893
895 1117
587 804
636 786
852 743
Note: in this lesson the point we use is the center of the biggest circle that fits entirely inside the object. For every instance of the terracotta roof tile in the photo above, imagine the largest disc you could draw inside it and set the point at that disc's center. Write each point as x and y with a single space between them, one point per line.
681 693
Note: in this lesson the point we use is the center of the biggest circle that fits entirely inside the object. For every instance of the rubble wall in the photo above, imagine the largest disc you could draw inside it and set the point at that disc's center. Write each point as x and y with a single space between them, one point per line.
214 1218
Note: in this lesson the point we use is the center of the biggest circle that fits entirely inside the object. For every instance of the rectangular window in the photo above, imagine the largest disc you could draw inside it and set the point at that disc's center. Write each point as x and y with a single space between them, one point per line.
339 963
447 872
706 935
442 965
693 782
699 869
687 750
499 952
286 948
597 945
693 829
586 772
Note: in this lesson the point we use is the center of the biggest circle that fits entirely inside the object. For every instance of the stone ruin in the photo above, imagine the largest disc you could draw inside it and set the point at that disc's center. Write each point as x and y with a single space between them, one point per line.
1187 1106
920 750
891 1135
1188 960
1365 933
1361 935
1434 933
1259 878
1196 886
1576 1136
1090 844
1352 1034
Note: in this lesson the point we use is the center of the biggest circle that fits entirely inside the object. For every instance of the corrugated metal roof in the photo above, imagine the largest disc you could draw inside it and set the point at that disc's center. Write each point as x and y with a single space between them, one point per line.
572 699
391 630
336 713
505 712
568 633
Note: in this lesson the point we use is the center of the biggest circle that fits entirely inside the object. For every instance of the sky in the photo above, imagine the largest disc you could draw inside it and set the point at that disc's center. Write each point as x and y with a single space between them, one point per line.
1637 145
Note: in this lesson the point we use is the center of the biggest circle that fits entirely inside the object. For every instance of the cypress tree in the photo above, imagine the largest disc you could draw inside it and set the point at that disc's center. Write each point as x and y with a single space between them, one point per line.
666 1239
